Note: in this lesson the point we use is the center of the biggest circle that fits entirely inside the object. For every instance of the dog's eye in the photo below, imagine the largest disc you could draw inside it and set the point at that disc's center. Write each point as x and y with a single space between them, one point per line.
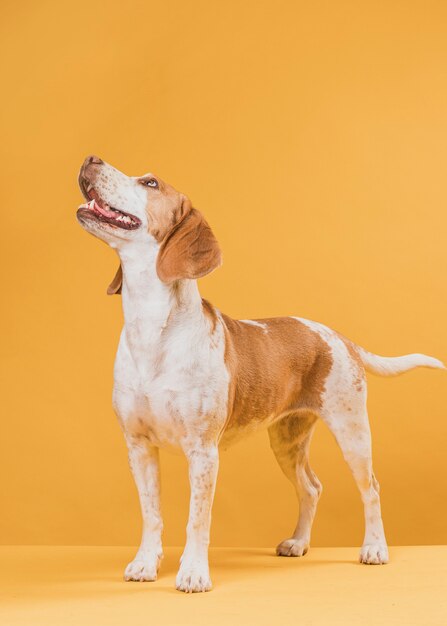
150 182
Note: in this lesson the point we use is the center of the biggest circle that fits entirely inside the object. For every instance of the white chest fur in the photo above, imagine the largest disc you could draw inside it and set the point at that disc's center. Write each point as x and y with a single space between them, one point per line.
171 382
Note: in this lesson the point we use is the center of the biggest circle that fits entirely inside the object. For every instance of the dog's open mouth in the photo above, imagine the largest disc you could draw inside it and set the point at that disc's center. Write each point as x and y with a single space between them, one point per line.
97 209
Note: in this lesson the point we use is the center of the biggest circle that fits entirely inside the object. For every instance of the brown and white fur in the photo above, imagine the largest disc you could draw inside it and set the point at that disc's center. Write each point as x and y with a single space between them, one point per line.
189 377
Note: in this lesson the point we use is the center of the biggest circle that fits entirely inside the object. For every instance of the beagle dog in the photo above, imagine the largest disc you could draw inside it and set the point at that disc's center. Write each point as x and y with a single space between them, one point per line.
190 377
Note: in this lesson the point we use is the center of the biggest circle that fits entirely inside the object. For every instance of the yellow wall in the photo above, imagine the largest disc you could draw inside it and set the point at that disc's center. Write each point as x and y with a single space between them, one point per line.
313 136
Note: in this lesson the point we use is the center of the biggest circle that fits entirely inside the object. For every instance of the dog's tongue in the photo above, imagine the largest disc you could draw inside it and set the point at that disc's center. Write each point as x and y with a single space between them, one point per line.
93 205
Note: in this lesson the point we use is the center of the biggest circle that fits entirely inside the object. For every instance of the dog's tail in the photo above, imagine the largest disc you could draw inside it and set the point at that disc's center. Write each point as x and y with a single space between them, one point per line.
394 365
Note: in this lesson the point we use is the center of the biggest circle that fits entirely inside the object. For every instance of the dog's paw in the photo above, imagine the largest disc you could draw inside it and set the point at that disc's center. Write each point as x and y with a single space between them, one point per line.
143 568
292 547
374 554
193 578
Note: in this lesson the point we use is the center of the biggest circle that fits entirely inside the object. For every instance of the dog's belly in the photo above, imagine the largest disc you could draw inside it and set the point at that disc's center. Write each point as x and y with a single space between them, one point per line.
237 432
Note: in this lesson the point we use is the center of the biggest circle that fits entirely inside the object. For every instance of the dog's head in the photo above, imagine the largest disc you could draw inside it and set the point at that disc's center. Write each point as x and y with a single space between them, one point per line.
125 210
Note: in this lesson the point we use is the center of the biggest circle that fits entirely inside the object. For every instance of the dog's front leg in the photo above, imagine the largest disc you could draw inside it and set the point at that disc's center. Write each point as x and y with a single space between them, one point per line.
144 462
193 574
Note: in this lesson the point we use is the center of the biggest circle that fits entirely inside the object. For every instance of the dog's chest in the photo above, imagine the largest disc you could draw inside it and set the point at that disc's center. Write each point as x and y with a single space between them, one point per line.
171 382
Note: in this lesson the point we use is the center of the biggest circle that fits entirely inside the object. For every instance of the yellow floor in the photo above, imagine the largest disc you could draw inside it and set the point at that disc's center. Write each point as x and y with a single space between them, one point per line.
83 585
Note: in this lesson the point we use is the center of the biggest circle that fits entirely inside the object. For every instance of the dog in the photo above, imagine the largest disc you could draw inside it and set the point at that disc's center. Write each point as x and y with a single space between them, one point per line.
189 377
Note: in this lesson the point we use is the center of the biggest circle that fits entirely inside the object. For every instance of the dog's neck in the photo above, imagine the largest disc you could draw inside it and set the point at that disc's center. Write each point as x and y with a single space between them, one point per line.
149 305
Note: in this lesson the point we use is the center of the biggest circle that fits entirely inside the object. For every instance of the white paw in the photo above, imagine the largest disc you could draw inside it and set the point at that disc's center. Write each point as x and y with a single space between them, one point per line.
193 577
143 568
292 547
374 554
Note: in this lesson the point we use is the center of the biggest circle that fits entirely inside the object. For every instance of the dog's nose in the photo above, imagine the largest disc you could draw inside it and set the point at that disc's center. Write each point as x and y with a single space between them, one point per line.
89 170
93 159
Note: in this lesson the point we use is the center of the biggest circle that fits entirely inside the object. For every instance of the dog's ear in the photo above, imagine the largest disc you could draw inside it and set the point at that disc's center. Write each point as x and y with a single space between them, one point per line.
116 284
189 250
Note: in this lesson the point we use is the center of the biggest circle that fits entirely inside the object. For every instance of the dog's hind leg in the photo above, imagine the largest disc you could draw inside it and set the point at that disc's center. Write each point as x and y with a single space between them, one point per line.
343 409
352 433
290 439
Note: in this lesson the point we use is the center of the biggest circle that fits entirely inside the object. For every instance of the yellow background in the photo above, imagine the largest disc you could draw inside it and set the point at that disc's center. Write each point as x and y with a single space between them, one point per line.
313 137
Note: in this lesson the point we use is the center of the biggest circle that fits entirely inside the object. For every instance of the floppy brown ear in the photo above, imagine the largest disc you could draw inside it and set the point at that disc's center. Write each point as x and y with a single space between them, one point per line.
116 284
189 250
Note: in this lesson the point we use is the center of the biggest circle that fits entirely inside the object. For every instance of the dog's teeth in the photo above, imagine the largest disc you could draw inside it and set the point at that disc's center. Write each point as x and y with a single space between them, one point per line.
90 186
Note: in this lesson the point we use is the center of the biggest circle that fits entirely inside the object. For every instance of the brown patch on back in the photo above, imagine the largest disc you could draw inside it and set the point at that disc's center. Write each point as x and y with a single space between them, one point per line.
274 370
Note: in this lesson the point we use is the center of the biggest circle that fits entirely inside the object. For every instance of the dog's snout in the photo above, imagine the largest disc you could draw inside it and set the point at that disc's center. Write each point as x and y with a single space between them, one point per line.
89 168
89 172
